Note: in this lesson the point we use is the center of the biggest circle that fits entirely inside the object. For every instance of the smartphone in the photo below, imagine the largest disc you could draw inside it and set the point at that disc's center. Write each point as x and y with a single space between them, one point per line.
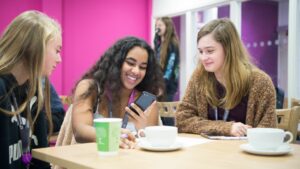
143 102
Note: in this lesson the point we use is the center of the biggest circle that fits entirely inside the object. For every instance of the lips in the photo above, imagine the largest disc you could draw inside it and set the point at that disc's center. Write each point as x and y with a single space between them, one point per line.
207 64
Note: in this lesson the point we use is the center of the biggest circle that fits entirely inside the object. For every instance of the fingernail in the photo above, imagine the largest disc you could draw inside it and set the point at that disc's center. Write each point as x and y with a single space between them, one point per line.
124 136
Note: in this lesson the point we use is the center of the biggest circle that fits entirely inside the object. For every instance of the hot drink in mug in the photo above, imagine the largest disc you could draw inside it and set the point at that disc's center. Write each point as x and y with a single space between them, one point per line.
267 138
159 136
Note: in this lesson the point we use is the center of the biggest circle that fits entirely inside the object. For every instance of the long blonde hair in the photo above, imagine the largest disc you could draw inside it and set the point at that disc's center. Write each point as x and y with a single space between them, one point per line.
25 40
170 36
236 69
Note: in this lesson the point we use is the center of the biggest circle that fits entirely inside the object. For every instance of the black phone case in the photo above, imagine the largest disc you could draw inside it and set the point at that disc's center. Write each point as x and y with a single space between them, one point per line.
144 101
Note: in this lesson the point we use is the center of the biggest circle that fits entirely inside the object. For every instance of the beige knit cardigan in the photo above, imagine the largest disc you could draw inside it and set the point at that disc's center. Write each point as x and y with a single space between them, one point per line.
191 115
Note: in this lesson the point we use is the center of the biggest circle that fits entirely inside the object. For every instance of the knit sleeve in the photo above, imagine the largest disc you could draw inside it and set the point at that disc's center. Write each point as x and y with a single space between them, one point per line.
191 115
263 101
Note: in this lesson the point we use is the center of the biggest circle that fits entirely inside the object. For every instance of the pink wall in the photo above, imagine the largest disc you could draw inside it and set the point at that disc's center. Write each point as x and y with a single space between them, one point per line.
9 9
89 28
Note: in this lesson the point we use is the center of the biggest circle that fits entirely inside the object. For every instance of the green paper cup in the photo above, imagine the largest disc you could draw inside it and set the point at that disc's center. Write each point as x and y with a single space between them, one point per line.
107 135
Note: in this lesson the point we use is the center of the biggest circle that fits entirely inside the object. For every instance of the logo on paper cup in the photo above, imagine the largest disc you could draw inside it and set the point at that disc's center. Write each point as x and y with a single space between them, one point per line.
104 134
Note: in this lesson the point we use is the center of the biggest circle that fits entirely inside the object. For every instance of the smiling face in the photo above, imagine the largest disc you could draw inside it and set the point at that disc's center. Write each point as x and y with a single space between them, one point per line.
212 55
52 57
134 67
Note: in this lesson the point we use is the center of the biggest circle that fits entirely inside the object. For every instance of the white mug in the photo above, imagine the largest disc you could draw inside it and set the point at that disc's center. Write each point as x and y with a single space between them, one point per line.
159 136
267 138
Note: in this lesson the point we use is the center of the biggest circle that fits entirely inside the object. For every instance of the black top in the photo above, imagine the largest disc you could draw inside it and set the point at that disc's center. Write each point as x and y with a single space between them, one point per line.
237 114
10 140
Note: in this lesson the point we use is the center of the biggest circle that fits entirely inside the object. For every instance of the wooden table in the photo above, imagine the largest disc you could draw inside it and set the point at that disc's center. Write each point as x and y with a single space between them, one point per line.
221 154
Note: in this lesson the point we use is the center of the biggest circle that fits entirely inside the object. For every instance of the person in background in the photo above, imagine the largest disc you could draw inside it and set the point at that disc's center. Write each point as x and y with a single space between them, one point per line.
226 94
167 51
29 51
126 69
279 98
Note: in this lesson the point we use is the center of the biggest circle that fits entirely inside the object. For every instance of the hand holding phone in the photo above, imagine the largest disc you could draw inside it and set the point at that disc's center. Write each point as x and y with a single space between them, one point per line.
143 102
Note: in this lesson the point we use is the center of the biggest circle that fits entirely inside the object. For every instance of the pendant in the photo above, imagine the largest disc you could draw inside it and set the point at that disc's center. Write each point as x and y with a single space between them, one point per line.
26 158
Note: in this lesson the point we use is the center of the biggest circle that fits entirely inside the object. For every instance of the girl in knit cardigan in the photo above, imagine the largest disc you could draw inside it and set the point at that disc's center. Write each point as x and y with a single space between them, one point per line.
226 94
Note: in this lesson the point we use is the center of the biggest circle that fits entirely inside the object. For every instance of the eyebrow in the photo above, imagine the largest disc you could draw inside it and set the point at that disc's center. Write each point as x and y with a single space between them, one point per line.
206 47
134 60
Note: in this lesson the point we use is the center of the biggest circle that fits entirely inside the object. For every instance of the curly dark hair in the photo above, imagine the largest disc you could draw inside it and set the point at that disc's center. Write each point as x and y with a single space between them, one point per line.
107 70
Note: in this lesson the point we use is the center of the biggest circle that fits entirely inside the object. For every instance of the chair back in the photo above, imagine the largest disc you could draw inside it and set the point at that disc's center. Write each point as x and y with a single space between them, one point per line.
287 119
295 102
167 109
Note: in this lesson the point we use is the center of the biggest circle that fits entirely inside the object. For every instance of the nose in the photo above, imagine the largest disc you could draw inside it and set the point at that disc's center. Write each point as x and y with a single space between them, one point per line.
135 70
203 57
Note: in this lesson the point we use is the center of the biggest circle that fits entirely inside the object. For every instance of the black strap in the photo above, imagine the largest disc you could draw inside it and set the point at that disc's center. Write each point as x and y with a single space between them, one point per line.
24 127
225 116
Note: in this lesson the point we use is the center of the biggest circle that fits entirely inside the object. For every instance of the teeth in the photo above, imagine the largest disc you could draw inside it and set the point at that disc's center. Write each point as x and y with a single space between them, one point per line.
131 78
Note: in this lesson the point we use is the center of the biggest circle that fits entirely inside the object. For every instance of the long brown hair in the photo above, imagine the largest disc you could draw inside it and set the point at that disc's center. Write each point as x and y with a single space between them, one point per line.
25 40
236 69
170 37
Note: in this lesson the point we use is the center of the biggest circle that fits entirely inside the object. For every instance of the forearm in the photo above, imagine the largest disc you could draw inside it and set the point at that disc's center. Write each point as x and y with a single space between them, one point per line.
189 121
84 133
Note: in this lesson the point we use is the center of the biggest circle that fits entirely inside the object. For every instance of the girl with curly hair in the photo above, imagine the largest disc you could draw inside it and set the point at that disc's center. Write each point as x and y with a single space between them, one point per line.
115 81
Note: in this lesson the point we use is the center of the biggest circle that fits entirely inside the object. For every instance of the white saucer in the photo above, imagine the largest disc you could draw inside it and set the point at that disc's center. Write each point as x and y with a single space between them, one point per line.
147 146
284 149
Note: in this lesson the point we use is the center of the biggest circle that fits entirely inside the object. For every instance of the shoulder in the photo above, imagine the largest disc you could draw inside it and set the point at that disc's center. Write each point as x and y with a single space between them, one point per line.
195 81
83 86
196 76
260 80
260 77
